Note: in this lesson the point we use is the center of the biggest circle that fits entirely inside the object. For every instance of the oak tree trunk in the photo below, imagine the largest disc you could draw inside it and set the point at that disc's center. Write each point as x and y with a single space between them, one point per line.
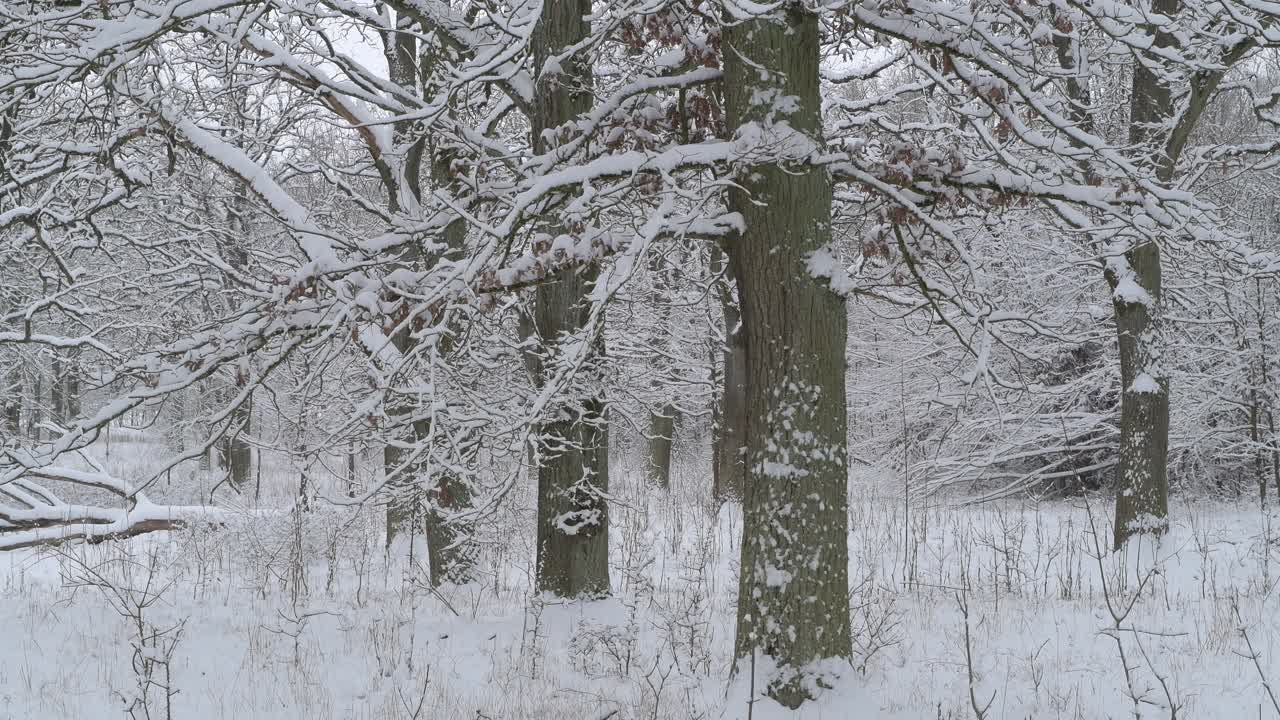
1142 483
572 460
793 603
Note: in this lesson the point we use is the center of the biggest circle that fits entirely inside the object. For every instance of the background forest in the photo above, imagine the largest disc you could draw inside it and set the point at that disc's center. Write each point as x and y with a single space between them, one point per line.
639 359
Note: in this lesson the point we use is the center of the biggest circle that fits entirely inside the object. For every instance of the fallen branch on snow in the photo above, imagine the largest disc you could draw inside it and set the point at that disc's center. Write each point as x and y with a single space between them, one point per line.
31 515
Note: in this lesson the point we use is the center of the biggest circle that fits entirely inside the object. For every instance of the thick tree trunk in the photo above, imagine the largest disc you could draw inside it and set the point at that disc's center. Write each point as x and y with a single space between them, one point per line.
572 457
729 441
1142 488
450 548
573 529
1142 483
793 602
573 454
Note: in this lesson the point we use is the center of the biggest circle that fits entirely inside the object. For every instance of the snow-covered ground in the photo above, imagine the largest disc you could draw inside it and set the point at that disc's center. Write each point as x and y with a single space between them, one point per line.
301 616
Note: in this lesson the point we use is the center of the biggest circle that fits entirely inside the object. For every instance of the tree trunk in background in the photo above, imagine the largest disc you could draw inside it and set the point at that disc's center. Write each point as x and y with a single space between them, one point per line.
404 507
11 401
662 420
793 602
729 438
177 430
64 388
1142 482
573 453
237 453
662 426
35 407
1265 451
202 411
351 471
71 388
451 551
404 503
56 402
11 385
435 512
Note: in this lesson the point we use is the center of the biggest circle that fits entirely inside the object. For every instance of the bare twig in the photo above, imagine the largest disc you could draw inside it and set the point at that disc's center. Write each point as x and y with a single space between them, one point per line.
1254 656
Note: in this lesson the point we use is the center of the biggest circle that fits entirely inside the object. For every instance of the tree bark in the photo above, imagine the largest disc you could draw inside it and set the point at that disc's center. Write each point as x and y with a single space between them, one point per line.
1142 487
56 403
662 419
793 603
572 460
71 389
35 409
13 403
662 425
1142 482
236 452
404 505
729 439
239 454
424 502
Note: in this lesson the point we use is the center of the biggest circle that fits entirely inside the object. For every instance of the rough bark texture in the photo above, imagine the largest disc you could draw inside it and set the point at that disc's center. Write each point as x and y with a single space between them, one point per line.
573 458
1142 487
729 441
1142 483
793 603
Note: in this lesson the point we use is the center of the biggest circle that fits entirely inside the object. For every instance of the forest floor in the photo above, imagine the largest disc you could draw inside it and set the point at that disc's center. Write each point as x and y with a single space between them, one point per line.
301 616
